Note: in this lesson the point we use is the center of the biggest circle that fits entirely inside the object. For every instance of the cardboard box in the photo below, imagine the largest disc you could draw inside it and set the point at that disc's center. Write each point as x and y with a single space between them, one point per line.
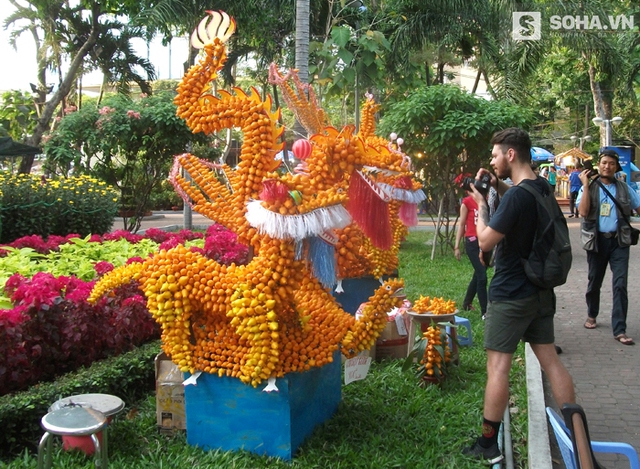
397 338
223 413
170 406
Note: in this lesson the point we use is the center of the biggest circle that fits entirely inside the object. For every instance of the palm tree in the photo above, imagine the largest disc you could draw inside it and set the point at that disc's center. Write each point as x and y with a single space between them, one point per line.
115 57
302 50
63 34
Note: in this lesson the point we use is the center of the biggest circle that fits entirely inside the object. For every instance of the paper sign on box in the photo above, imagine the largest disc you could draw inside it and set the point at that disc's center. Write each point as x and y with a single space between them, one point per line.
356 368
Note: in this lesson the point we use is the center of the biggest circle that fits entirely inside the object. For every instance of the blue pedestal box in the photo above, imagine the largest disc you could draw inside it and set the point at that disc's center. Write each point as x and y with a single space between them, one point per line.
357 291
223 413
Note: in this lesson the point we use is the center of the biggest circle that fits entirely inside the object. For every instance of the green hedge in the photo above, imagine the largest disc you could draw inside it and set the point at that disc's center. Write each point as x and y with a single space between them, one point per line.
130 376
33 205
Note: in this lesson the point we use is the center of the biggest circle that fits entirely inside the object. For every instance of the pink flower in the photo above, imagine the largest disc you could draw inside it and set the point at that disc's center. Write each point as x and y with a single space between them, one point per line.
221 245
103 267
133 114
157 235
190 235
197 249
106 110
77 290
70 109
170 243
40 292
54 242
119 234
12 317
137 259
34 242
13 283
134 300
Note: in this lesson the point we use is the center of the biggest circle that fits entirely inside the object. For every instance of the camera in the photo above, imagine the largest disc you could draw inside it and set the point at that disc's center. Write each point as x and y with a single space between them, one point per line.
482 185
592 171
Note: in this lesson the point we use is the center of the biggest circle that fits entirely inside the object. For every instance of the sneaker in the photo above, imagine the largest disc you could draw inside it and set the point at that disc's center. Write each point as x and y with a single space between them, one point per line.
490 455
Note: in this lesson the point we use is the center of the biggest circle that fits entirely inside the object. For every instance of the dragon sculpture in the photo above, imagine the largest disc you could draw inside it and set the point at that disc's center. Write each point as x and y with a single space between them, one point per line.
273 315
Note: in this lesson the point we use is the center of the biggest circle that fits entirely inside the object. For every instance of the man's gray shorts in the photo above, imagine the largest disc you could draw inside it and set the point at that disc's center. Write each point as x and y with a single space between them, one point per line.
529 319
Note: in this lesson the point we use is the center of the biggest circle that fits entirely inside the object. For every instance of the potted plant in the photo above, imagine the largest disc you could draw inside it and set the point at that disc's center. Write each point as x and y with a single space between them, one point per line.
430 355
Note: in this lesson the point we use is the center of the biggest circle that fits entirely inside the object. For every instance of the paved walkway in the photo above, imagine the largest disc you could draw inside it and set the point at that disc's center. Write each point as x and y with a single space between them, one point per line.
175 220
170 220
606 373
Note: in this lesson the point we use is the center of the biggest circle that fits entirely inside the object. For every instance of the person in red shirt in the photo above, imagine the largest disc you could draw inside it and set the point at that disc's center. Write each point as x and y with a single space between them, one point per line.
479 260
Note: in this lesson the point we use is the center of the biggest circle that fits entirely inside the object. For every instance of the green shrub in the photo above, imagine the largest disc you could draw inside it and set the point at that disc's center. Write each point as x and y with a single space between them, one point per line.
32 205
165 197
130 376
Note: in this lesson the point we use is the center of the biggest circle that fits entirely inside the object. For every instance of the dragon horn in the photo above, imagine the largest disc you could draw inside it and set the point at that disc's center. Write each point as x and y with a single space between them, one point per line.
216 24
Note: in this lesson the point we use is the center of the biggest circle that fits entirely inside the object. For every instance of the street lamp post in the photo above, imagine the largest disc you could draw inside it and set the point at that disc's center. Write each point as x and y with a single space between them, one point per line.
607 127
586 138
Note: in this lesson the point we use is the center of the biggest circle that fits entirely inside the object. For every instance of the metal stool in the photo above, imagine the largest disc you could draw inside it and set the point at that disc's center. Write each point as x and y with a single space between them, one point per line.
72 421
104 403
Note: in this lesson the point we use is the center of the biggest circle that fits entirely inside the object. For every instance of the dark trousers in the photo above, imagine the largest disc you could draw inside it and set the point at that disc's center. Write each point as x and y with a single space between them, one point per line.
572 203
478 284
609 253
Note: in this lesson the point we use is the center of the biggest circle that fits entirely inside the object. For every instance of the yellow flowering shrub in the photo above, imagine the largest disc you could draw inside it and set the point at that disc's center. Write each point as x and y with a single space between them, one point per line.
34 205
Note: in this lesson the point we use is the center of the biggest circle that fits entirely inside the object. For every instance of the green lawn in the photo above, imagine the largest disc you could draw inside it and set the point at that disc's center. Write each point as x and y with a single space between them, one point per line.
384 421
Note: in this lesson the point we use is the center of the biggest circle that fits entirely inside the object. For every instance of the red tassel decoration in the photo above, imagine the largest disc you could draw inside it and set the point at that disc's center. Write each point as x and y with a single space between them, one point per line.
409 214
273 190
368 206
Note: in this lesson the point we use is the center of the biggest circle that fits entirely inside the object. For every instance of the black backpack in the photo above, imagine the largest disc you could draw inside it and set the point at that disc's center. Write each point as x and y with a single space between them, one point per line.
550 258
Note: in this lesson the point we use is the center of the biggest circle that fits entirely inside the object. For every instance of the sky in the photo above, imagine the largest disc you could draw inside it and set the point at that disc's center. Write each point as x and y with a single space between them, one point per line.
19 67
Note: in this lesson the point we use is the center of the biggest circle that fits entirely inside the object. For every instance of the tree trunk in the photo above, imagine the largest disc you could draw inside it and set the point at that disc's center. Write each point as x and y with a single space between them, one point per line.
276 103
477 82
488 85
103 85
63 90
40 90
302 51
191 56
602 101
436 236
587 119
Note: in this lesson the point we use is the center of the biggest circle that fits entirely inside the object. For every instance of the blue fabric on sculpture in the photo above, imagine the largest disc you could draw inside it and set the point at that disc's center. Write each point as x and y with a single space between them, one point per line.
321 255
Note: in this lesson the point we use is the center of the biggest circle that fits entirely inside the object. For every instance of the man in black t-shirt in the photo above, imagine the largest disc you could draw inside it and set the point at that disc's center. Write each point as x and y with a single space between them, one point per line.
518 309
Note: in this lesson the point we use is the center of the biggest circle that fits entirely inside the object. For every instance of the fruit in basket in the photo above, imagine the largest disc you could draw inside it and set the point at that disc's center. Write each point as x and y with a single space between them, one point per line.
439 305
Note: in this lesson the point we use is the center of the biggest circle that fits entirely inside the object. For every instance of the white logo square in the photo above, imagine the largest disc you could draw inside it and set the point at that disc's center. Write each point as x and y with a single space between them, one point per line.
526 25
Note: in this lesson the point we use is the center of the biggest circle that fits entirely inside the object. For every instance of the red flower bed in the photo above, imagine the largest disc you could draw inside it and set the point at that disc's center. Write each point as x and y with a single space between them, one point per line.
52 329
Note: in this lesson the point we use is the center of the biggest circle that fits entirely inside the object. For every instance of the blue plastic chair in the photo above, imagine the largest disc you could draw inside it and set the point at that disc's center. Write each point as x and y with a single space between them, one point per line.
464 322
462 340
563 437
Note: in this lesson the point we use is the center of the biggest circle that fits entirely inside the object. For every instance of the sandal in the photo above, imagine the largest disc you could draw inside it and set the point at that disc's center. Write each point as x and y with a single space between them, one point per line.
624 340
590 323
